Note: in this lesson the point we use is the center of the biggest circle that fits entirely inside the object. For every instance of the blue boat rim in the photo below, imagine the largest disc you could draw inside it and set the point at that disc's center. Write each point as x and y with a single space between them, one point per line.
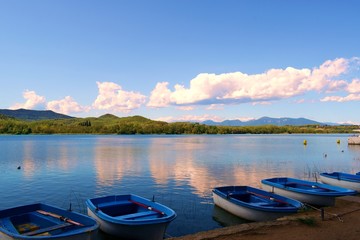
333 191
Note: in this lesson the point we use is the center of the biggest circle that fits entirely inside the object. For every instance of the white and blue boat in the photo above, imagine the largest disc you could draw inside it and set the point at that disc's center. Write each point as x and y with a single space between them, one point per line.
131 216
254 204
44 222
346 180
309 192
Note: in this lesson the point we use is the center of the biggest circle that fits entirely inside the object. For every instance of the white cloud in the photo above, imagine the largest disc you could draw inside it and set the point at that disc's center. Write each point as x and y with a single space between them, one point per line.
32 100
334 86
66 106
300 100
237 87
350 123
216 107
354 86
112 97
322 76
160 96
348 98
245 119
186 108
261 103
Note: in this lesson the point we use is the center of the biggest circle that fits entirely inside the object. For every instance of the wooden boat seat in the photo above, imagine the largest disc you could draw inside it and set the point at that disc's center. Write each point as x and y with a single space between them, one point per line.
137 215
48 229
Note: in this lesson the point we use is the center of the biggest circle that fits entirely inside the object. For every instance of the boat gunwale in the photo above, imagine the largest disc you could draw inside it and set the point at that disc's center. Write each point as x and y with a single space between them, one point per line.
170 214
342 177
333 191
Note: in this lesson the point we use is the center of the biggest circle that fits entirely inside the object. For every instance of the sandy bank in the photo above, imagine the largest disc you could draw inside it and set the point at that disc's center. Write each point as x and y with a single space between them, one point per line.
341 221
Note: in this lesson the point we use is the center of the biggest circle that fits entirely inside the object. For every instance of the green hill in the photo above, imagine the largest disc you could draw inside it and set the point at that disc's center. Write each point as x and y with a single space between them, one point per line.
2 116
32 115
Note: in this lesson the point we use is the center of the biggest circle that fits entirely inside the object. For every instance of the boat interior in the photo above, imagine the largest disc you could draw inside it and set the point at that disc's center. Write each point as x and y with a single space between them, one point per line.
254 199
35 224
126 210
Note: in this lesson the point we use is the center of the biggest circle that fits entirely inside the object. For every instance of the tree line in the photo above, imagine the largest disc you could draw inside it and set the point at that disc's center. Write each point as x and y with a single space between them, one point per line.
140 125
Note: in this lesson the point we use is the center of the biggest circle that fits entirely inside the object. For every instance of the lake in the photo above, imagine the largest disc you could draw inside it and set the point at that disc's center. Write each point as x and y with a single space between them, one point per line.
177 170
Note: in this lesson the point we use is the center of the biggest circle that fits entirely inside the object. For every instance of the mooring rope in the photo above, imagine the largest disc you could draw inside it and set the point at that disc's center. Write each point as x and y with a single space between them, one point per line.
323 212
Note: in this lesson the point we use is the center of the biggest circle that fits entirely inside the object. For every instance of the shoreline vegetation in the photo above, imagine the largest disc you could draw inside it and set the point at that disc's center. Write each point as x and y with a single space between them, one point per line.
110 124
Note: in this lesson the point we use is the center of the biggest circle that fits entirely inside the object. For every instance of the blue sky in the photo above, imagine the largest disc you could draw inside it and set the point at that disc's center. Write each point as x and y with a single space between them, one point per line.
178 60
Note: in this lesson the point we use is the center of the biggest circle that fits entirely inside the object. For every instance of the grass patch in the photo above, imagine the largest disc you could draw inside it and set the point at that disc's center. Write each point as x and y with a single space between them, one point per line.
309 221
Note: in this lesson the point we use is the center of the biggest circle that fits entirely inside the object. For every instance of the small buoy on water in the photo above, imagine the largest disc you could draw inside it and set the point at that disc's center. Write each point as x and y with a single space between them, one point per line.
305 142
338 141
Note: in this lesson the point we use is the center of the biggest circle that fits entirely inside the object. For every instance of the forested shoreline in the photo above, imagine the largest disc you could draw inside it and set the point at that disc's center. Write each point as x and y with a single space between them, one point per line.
109 124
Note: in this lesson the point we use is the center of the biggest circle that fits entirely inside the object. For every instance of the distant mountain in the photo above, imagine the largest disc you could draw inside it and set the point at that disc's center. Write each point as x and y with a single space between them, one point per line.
266 121
283 121
225 123
32 115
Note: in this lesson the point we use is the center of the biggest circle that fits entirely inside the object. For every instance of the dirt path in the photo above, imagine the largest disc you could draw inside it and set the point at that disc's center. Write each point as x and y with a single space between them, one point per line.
340 222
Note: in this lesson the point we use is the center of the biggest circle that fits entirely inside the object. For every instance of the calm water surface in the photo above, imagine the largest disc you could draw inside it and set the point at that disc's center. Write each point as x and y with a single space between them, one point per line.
178 171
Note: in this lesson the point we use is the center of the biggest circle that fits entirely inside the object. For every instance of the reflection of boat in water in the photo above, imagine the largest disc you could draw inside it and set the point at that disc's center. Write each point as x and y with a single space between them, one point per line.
354 140
226 219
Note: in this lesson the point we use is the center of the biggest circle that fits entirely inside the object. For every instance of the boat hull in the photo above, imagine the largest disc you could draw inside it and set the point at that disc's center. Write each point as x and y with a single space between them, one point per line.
254 211
83 236
124 231
130 216
312 193
350 181
302 197
45 222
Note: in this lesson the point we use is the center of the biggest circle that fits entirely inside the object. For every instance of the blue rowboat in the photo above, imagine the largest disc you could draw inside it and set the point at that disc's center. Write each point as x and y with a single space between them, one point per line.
45 222
130 216
313 193
346 180
254 204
